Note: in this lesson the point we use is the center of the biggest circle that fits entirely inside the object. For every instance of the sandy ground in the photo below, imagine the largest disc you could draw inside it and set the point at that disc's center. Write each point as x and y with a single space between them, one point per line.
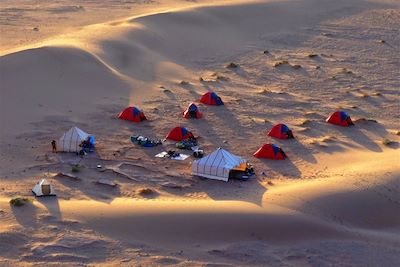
334 202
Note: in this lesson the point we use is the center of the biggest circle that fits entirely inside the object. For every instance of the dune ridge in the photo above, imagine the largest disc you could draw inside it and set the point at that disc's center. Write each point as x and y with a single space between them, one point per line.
334 201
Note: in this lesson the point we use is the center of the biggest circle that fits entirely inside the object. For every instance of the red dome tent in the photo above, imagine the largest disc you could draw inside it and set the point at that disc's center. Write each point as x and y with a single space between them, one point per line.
132 114
270 151
211 98
281 131
192 111
179 134
340 118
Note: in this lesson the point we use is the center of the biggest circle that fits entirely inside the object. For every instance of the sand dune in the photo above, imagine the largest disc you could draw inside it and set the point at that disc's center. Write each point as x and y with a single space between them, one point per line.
333 202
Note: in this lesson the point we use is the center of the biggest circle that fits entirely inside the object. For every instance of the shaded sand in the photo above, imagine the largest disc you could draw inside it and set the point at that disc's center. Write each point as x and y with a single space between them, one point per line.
333 202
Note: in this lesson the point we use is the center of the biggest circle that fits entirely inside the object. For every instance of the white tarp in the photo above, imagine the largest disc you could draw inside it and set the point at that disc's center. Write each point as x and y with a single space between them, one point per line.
217 165
70 141
43 188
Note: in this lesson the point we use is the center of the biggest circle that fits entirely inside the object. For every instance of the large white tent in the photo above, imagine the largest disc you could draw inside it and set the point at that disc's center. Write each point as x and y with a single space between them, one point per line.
43 188
70 141
217 165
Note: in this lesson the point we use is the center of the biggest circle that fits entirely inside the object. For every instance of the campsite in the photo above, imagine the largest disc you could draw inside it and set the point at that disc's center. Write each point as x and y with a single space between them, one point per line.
200 133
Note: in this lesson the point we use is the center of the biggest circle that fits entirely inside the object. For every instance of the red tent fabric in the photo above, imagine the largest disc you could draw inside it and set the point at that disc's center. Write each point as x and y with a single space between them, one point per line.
340 118
211 98
281 131
132 114
192 111
270 151
179 134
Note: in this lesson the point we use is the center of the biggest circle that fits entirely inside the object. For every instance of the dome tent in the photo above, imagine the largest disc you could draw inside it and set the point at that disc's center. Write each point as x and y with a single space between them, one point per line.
270 151
132 114
211 98
218 165
281 131
43 188
179 134
340 118
192 111
71 140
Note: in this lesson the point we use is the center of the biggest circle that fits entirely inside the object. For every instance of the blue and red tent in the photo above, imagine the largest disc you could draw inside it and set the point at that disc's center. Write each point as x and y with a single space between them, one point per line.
270 151
192 111
340 118
132 114
281 131
179 134
211 98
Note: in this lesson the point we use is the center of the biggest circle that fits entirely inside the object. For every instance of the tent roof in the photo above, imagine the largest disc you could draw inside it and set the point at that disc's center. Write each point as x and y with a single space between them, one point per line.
75 131
223 158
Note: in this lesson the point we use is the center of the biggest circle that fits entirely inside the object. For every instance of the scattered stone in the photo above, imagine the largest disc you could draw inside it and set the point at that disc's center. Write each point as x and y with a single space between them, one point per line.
270 183
184 83
280 63
360 120
297 66
174 186
377 94
398 133
317 67
103 181
305 122
201 79
266 52
36 29
346 71
312 55
232 65
382 41
225 141
326 34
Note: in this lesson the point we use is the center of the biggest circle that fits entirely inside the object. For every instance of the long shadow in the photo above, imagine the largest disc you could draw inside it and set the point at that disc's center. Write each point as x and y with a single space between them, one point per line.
251 191
52 205
26 215
355 134
281 167
301 151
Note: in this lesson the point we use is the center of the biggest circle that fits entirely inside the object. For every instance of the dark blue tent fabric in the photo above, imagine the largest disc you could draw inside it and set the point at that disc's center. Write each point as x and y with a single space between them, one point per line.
284 128
343 116
217 99
275 148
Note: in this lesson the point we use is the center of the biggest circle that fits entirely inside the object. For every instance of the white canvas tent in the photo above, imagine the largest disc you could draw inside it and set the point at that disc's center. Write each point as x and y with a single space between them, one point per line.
217 165
43 188
70 141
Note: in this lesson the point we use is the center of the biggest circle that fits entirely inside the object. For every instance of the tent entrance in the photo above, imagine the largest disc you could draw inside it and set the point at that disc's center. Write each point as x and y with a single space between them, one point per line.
46 189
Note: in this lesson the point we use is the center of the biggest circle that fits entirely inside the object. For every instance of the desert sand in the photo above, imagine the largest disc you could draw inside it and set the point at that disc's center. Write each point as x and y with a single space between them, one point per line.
334 202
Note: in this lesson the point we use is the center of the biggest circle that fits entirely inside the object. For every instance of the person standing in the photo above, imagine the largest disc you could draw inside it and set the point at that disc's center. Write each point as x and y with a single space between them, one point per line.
54 146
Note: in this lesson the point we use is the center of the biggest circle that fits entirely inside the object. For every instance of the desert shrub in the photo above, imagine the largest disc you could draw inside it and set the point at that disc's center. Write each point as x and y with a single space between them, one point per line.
18 201
76 168
388 142
146 191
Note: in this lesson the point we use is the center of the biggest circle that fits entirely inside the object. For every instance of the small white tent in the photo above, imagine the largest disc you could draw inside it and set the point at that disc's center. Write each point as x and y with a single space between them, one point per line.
43 188
217 165
70 141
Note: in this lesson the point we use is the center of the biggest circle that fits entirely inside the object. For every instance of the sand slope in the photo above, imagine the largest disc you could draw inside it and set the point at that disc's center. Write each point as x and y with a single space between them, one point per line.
335 201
